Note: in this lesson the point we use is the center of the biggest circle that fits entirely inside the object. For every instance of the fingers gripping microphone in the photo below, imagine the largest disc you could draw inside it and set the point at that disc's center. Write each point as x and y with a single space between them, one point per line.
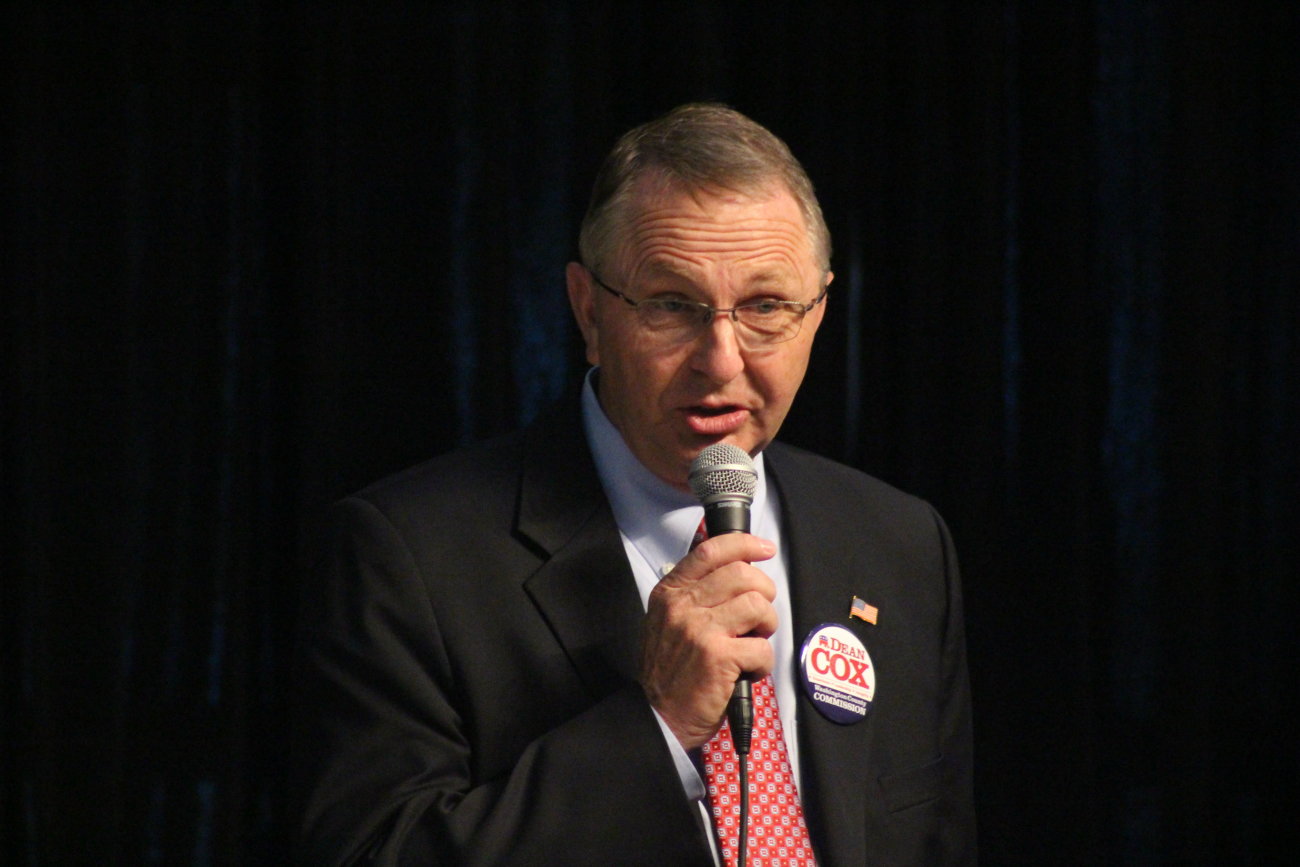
723 478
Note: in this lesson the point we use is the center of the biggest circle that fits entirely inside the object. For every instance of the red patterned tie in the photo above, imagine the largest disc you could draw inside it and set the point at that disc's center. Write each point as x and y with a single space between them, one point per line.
777 833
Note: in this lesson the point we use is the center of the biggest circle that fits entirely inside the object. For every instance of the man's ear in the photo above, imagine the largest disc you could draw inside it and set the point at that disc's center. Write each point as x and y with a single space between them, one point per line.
582 299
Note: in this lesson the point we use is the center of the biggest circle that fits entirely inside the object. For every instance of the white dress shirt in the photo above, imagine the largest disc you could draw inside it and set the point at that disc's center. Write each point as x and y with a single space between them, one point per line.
656 522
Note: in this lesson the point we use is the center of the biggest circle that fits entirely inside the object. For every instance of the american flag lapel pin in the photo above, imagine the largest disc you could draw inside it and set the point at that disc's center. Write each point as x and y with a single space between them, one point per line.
861 610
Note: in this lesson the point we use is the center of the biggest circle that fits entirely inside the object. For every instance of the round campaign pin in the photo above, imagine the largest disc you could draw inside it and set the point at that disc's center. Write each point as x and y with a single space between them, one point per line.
837 673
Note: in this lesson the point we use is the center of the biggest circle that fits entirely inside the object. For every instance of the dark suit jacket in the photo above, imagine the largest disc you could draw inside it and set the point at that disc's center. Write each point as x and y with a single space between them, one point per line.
467 660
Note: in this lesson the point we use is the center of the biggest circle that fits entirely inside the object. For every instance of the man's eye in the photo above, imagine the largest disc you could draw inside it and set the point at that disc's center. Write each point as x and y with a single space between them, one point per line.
674 306
767 307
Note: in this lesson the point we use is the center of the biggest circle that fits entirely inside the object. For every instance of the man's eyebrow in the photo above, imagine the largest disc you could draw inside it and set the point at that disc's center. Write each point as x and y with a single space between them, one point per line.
772 283
670 278
666 278
767 277
670 271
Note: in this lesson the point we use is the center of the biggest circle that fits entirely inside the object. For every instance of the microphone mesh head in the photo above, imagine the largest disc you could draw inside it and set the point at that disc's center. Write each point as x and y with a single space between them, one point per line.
723 471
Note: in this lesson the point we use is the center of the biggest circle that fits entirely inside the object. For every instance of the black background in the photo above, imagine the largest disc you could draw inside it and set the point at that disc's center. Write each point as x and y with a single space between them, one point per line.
259 255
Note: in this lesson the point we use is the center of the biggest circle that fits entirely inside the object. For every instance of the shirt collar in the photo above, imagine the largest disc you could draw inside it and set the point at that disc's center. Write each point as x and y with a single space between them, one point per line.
655 517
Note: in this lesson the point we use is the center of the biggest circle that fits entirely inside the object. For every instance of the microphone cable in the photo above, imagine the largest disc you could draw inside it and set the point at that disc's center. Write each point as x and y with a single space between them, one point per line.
743 842
723 479
740 716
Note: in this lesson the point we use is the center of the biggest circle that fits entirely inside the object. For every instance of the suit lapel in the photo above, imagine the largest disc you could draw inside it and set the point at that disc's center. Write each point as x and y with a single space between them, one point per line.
585 591
824 551
584 587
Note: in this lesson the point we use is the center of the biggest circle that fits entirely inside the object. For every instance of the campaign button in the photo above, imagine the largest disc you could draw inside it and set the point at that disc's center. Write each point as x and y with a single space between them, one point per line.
837 673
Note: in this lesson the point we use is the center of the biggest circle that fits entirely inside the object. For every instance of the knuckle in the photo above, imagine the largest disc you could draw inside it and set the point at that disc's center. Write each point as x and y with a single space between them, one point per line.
758 605
659 594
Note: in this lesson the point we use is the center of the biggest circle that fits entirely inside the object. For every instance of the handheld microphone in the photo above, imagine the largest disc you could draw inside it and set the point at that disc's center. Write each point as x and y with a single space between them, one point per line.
723 478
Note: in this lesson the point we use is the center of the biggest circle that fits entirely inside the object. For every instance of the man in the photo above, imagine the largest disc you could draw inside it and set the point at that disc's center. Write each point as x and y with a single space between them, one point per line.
513 654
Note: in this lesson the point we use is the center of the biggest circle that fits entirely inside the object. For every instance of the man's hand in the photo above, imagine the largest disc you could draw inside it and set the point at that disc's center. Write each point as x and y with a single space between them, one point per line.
707 622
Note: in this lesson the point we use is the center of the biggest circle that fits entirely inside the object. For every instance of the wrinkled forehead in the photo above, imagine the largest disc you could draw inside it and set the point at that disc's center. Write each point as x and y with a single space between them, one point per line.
654 200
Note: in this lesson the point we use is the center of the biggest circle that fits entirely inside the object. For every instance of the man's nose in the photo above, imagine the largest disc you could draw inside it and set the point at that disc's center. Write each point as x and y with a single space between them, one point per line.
717 351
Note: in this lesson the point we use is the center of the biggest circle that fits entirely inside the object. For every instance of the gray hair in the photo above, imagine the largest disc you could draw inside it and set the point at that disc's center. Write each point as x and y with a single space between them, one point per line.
695 146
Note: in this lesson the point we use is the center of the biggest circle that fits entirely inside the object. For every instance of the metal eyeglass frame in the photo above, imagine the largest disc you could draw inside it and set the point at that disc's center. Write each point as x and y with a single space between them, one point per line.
712 312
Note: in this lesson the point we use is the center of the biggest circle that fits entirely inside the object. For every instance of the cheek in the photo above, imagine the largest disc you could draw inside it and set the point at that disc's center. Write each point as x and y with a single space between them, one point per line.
619 349
779 378
666 373
647 377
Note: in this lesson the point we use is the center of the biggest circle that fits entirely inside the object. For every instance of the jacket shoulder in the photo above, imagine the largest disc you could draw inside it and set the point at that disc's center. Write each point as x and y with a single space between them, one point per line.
495 485
484 470
831 479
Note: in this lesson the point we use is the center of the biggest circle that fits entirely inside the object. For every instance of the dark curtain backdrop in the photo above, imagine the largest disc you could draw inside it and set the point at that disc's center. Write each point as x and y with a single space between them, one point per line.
257 255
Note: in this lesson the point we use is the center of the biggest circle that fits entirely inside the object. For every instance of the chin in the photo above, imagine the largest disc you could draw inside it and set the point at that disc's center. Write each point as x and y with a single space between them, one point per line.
750 442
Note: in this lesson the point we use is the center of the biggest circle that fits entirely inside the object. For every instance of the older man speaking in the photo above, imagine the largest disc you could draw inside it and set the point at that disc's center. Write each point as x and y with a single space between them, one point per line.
524 652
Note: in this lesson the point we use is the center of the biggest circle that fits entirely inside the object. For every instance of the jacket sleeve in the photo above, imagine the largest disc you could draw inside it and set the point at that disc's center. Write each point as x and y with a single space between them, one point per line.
389 743
956 738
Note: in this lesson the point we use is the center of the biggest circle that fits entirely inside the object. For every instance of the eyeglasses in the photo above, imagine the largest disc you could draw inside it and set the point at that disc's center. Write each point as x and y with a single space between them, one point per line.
678 320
